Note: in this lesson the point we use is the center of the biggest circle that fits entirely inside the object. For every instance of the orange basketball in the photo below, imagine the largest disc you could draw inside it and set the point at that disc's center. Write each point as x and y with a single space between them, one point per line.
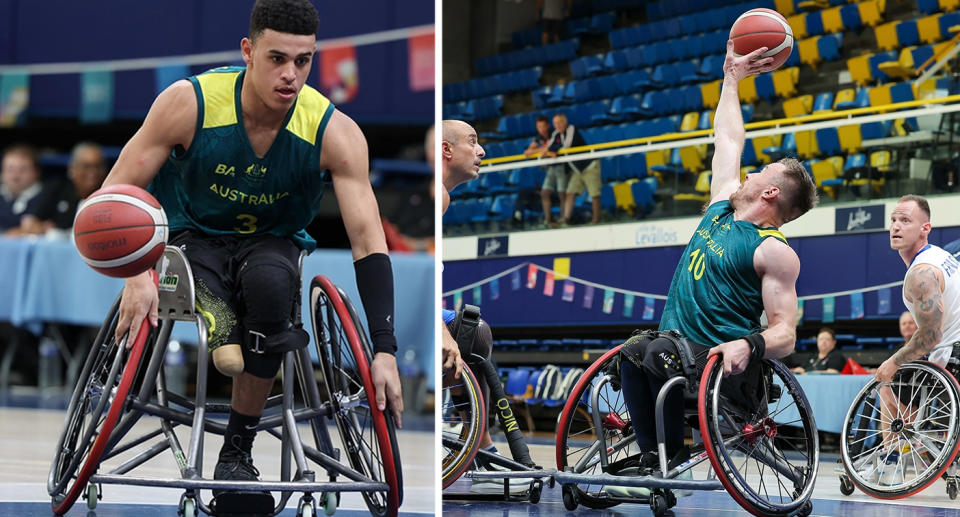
120 230
763 28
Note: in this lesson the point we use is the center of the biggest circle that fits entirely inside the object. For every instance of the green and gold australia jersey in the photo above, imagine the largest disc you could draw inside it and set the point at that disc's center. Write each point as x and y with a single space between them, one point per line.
715 294
220 186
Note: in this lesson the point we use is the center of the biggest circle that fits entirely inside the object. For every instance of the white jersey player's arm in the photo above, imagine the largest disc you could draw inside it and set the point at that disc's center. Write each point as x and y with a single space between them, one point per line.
923 287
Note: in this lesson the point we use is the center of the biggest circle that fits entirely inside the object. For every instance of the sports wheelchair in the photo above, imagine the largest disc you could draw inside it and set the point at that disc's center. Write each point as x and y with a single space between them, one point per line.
767 467
900 436
119 385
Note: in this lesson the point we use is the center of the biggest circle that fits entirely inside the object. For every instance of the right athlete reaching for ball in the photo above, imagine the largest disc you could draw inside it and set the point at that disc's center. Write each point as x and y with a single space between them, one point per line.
736 265
234 156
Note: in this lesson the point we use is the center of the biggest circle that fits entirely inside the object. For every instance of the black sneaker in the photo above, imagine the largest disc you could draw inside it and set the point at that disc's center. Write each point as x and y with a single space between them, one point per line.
235 465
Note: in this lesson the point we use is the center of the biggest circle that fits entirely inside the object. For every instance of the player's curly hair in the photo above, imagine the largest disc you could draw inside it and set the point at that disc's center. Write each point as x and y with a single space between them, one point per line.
288 16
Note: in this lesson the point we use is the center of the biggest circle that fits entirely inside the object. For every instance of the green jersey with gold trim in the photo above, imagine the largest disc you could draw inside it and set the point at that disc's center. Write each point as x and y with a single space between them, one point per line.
220 186
715 295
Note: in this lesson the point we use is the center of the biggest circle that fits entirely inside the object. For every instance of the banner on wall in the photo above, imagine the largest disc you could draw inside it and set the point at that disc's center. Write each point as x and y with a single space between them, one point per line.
96 96
420 58
14 98
339 76
495 246
859 218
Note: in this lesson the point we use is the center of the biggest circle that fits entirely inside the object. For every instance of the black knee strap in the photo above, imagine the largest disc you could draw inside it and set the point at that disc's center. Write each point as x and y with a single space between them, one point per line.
464 330
688 362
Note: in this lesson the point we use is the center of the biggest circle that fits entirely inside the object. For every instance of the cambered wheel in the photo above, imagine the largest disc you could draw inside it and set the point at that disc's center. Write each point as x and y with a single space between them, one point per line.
580 442
767 471
463 417
368 434
96 405
900 436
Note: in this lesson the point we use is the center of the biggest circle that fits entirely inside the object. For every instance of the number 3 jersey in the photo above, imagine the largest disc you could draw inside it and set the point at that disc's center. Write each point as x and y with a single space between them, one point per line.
220 186
715 293
948 266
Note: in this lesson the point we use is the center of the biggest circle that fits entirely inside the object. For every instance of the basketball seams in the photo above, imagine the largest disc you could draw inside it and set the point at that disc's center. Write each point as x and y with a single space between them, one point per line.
786 33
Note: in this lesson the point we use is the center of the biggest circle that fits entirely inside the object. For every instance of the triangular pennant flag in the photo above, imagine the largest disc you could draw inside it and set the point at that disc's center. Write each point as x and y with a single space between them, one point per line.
420 57
495 289
443 303
561 267
628 306
856 305
828 305
14 98
799 312
477 294
588 297
339 79
607 301
531 276
515 280
648 305
96 96
457 300
883 301
569 288
548 284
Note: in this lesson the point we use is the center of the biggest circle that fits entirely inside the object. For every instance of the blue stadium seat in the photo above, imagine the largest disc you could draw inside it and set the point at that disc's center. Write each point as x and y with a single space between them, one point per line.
949 20
828 141
907 33
862 100
749 156
928 6
503 207
764 84
882 57
823 102
633 166
517 380
874 130
610 169
829 46
643 192
814 23
615 61
850 16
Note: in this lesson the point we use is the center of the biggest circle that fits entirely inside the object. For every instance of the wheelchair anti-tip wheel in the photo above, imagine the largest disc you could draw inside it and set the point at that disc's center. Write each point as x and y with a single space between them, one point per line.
900 436
464 420
96 405
767 467
368 435
582 446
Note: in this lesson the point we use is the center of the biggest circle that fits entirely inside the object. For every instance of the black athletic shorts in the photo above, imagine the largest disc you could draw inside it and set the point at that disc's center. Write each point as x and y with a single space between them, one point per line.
216 261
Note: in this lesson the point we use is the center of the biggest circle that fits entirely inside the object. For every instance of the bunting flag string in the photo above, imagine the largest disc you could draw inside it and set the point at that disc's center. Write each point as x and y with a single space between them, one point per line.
568 289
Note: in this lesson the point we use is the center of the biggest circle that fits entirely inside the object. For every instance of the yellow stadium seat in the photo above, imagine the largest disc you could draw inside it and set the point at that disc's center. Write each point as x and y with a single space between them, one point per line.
879 95
624 196
798 106
949 5
807 144
690 158
762 142
831 20
887 35
844 95
784 7
652 158
809 52
850 139
785 81
928 28
926 89
689 121
860 69
824 170
798 23
702 188
902 68
870 12
748 90
711 94
879 160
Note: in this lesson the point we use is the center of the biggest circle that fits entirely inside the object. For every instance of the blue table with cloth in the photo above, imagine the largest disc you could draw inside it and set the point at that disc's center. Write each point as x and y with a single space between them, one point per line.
830 397
47 281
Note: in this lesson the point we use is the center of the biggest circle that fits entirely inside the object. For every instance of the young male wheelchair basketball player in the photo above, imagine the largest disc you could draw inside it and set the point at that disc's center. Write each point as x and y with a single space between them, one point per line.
234 156
736 266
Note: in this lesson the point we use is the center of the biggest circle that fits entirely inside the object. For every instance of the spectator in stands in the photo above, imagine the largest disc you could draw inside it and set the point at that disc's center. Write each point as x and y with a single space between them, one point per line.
557 176
580 174
552 13
538 145
21 191
908 326
828 358
87 170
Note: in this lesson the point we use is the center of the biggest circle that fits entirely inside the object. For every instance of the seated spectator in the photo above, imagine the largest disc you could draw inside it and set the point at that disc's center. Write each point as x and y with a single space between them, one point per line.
538 145
86 171
908 326
20 191
828 358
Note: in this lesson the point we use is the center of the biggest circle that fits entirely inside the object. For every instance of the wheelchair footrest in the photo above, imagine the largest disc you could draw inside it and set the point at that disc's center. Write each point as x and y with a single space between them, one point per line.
243 504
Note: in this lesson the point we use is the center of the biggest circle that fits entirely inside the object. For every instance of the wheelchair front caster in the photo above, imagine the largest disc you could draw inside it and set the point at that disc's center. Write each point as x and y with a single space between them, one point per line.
92 495
330 503
569 497
188 507
805 509
846 486
658 504
671 499
952 489
536 486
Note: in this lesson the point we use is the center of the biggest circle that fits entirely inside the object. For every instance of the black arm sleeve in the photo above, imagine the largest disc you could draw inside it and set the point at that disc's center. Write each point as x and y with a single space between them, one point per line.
375 284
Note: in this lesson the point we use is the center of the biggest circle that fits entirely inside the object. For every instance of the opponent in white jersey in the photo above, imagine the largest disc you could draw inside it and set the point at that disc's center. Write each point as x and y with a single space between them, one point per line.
931 288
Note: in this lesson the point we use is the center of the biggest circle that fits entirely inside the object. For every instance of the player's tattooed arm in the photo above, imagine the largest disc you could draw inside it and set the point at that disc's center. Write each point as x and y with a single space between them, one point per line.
924 288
